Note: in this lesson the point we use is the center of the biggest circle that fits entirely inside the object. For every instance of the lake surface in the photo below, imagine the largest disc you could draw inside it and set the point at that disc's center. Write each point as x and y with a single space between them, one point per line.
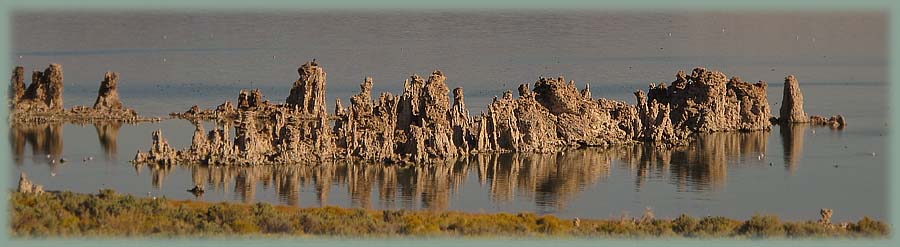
171 61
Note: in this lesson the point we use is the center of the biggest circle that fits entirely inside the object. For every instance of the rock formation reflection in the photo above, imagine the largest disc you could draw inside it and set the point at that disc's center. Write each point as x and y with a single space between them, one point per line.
108 134
550 181
47 139
792 140
43 139
701 165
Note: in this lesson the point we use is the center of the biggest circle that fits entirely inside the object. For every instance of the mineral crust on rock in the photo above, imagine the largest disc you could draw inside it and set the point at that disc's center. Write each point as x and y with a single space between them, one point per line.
42 101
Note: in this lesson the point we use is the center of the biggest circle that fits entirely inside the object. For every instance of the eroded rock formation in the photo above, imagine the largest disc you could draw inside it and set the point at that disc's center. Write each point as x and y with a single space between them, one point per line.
45 92
707 101
17 84
26 186
308 92
792 102
108 94
42 101
424 124
792 108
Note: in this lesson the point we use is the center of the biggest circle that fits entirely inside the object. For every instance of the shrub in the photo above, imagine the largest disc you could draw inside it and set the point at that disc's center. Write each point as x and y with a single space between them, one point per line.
805 229
715 226
762 226
684 225
66 214
870 228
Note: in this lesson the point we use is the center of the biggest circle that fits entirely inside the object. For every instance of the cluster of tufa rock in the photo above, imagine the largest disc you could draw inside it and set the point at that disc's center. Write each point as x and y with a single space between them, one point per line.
26 186
423 124
265 133
42 100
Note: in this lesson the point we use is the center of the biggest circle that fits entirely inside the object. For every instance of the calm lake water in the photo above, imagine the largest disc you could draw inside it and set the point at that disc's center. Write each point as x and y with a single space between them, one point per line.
171 61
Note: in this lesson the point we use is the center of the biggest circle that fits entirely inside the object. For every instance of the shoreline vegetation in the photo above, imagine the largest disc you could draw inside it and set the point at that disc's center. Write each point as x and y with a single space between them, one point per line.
109 214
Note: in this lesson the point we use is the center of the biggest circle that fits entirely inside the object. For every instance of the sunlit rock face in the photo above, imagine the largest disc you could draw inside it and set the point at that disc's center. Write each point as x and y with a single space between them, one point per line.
308 92
707 101
792 108
792 103
17 84
42 101
425 123
108 95
26 186
44 94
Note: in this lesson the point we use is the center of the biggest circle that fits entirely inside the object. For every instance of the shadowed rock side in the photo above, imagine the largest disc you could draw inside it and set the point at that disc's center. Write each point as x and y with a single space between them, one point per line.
423 125
42 101
792 108
17 84
44 95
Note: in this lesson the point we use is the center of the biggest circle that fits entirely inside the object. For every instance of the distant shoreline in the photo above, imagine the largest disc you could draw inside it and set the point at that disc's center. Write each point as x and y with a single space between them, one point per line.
108 214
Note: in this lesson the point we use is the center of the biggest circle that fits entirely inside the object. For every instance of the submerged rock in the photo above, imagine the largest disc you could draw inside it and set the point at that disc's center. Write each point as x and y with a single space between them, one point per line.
197 190
835 122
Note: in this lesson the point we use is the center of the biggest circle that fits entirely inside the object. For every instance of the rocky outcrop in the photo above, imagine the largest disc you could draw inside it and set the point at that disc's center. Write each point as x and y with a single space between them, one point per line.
43 102
17 84
835 122
26 186
308 92
160 151
423 124
792 108
108 94
792 103
707 101
366 129
825 216
44 94
423 118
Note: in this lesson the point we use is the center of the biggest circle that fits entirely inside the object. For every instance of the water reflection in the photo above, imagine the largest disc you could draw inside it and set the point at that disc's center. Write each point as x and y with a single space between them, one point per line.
45 140
792 140
108 133
550 181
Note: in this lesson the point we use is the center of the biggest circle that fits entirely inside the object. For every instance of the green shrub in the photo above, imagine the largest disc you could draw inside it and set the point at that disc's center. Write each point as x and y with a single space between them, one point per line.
684 225
870 228
715 226
64 214
762 226
806 229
